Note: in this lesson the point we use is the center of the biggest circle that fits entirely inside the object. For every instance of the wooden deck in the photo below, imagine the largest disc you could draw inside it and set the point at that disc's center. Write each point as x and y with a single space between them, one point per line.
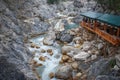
115 40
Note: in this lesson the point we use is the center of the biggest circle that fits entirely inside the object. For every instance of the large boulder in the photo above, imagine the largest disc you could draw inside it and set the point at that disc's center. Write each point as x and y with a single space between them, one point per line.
64 72
81 56
66 49
64 36
101 67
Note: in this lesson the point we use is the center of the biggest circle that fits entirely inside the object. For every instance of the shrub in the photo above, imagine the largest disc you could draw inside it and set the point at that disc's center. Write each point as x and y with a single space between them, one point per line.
110 4
52 1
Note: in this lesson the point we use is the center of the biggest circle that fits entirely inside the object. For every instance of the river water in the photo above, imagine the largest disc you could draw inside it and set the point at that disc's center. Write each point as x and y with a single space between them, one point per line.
51 62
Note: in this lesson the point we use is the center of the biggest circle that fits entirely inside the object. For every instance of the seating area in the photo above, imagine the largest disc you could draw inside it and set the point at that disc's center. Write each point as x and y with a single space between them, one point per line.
105 25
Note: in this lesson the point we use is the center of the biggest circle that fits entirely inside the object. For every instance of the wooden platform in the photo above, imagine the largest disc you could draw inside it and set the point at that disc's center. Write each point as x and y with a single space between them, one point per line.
115 40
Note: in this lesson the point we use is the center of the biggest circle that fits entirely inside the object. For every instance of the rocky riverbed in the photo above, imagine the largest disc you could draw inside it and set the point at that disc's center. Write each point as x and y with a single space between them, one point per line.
81 55
33 38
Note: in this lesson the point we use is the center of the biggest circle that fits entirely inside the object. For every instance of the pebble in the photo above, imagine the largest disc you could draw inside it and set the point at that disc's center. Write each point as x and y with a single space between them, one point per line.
42 58
51 75
75 65
43 51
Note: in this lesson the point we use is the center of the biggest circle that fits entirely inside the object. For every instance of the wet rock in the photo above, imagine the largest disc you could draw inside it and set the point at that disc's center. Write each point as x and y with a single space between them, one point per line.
57 56
59 26
42 58
81 56
65 58
51 75
43 51
38 65
64 72
33 62
47 41
75 65
37 47
61 62
33 45
50 51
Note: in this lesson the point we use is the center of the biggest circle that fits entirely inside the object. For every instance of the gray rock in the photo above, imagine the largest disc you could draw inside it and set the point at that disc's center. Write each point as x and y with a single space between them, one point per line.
81 55
64 72
8 71
104 77
100 67
118 60
100 46
66 38
77 3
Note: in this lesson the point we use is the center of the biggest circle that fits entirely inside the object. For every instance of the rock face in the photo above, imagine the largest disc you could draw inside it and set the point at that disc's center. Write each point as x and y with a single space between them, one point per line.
107 78
18 19
9 70
101 67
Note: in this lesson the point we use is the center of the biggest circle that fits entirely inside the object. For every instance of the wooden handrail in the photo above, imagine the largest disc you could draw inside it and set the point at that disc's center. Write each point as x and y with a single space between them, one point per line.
115 40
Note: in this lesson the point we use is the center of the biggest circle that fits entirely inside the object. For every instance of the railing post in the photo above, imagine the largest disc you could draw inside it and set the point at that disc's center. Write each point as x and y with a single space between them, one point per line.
105 27
118 32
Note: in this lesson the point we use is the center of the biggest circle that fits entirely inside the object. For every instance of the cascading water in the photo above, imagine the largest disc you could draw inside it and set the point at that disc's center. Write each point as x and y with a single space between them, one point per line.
51 61
49 65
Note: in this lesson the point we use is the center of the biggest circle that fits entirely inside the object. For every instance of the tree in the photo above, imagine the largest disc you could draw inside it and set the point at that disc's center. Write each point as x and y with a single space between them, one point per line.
110 4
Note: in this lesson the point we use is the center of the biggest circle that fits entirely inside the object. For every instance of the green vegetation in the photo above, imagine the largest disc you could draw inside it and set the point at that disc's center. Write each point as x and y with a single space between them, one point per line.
112 63
110 4
53 1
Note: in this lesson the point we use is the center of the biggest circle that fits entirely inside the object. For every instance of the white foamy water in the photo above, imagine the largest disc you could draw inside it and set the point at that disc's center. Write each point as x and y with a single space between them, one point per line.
51 62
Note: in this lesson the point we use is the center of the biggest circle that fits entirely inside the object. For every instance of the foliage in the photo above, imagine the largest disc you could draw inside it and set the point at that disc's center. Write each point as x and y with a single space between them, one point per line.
53 1
110 4
112 63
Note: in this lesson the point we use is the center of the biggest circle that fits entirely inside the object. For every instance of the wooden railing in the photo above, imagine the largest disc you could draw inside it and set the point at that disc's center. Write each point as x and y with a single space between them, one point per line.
115 40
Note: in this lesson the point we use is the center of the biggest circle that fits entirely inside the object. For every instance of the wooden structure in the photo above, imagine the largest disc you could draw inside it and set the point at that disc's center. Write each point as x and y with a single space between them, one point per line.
105 25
